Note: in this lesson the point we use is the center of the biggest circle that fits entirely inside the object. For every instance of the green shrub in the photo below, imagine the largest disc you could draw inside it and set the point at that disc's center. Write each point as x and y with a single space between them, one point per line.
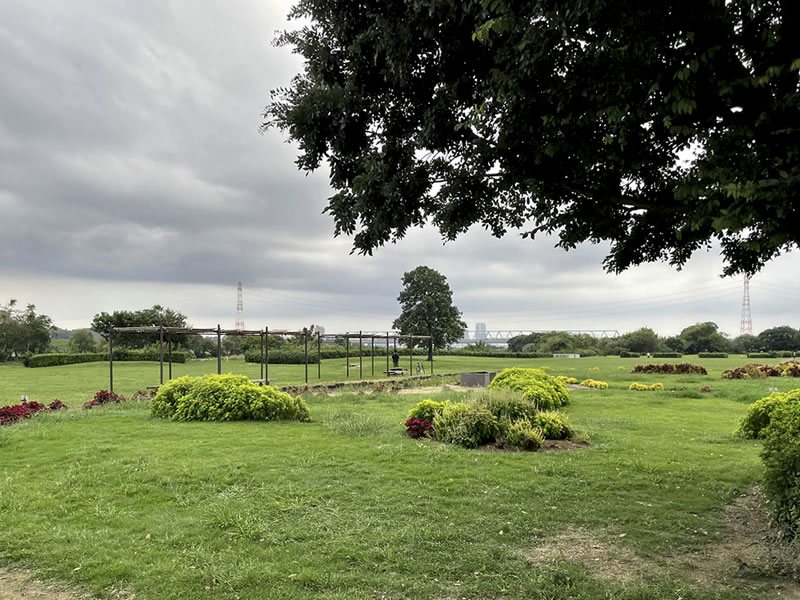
122 355
666 355
759 413
426 410
492 354
463 425
762 355
553 425
784 354
544 391
225 398
781 455
629 355
506 405
524 436
712 355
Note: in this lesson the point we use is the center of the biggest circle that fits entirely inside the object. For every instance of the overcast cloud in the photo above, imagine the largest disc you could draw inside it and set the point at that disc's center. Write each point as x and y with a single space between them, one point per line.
132 173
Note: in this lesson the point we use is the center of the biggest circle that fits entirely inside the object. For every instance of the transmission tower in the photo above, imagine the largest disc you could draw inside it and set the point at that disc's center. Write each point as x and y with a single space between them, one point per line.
747 321
239 307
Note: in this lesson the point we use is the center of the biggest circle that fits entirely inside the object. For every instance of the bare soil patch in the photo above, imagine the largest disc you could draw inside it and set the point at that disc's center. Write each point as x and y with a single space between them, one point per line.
748 557
18 585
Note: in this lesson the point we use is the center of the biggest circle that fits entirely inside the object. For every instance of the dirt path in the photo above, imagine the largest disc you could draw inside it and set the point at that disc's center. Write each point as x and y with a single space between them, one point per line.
18 585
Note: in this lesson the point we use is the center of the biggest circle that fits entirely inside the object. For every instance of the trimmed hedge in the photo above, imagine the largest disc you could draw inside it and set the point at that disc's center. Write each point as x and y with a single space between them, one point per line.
666 355
462 352
712 355
762 355
122 355
781 455
629 355
785 354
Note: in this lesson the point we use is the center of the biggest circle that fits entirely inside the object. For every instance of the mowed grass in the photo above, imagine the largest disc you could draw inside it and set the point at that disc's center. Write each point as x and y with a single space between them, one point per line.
348 507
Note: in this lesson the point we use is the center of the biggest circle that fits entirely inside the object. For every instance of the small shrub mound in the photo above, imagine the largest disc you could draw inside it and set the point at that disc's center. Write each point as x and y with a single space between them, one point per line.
565 379
524 436
781 455
506 405
600 385
536 386
465 425
705 389
759 413
790 368
225 398
57 405
671 369
104 397
417 428
426 410
642 387
553 425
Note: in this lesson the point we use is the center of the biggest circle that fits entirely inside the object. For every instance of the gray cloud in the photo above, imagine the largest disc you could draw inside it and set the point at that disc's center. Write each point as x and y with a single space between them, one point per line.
132 172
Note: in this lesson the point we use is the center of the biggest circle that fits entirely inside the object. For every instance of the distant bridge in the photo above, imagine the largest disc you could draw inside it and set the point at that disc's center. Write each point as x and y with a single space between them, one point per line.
495 336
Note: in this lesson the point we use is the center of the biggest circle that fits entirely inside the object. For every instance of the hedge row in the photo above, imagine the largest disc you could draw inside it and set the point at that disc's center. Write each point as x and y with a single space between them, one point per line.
629 355
54 360
780 354
488 354
666 355
712 355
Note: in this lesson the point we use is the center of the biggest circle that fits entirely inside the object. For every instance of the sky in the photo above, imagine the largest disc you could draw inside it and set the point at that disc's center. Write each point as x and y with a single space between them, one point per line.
132 173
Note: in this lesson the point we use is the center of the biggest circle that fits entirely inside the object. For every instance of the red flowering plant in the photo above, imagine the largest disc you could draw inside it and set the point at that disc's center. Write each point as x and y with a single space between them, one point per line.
57 405
12 414
417 428
33 406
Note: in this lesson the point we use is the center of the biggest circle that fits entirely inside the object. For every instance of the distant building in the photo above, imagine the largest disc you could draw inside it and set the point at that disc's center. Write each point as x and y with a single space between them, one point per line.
319 329
480 331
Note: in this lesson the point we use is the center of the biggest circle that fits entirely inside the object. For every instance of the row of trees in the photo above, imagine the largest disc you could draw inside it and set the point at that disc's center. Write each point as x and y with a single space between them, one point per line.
701 337
22 331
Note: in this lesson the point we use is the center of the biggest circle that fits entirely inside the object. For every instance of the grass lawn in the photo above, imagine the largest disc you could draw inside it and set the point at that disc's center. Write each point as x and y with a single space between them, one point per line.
348 507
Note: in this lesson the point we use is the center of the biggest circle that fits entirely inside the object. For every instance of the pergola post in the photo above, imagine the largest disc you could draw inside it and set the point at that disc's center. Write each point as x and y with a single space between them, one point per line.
161 353
431 343
372 351
360 357
111 359
319 355
266 354
410 355
347 353
261 372
305 345
387 353
219 350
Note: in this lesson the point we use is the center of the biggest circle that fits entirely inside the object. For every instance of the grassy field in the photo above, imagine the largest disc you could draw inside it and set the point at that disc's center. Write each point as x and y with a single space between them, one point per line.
348 507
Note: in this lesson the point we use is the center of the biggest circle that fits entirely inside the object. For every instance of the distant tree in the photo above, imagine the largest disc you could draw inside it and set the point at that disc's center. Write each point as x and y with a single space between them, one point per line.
556 343
517 343
674 344
23 331
427 308
778 338
82 341
642 340
745 344
155 316
704 337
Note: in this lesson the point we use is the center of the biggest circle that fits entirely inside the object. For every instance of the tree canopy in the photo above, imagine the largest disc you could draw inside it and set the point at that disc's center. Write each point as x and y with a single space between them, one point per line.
427 308
147 317
658 127
23 331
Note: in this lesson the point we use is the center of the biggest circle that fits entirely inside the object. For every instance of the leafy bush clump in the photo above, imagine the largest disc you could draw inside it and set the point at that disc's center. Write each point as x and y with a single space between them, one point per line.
642 387
759 413
553 425
536 386
781 455
33 406
57 405
524 436
12 414
464 425
417 428
751 371
671 369
706 390
762 355
712 355
666 355
104 397
565 379
600 385
225 398
506 405
629 355
426 410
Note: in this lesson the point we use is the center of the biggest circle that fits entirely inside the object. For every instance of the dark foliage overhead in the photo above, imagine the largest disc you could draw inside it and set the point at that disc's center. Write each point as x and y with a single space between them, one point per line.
660 127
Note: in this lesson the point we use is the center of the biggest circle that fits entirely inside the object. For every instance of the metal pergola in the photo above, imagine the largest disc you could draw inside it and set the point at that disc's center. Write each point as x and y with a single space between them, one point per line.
264 334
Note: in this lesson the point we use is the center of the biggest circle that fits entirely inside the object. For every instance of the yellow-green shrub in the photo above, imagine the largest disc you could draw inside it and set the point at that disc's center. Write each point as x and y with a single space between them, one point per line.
464 425
426 410
544 391
524 436
600 385
566 379
656 387
759 413
641 387
553 425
